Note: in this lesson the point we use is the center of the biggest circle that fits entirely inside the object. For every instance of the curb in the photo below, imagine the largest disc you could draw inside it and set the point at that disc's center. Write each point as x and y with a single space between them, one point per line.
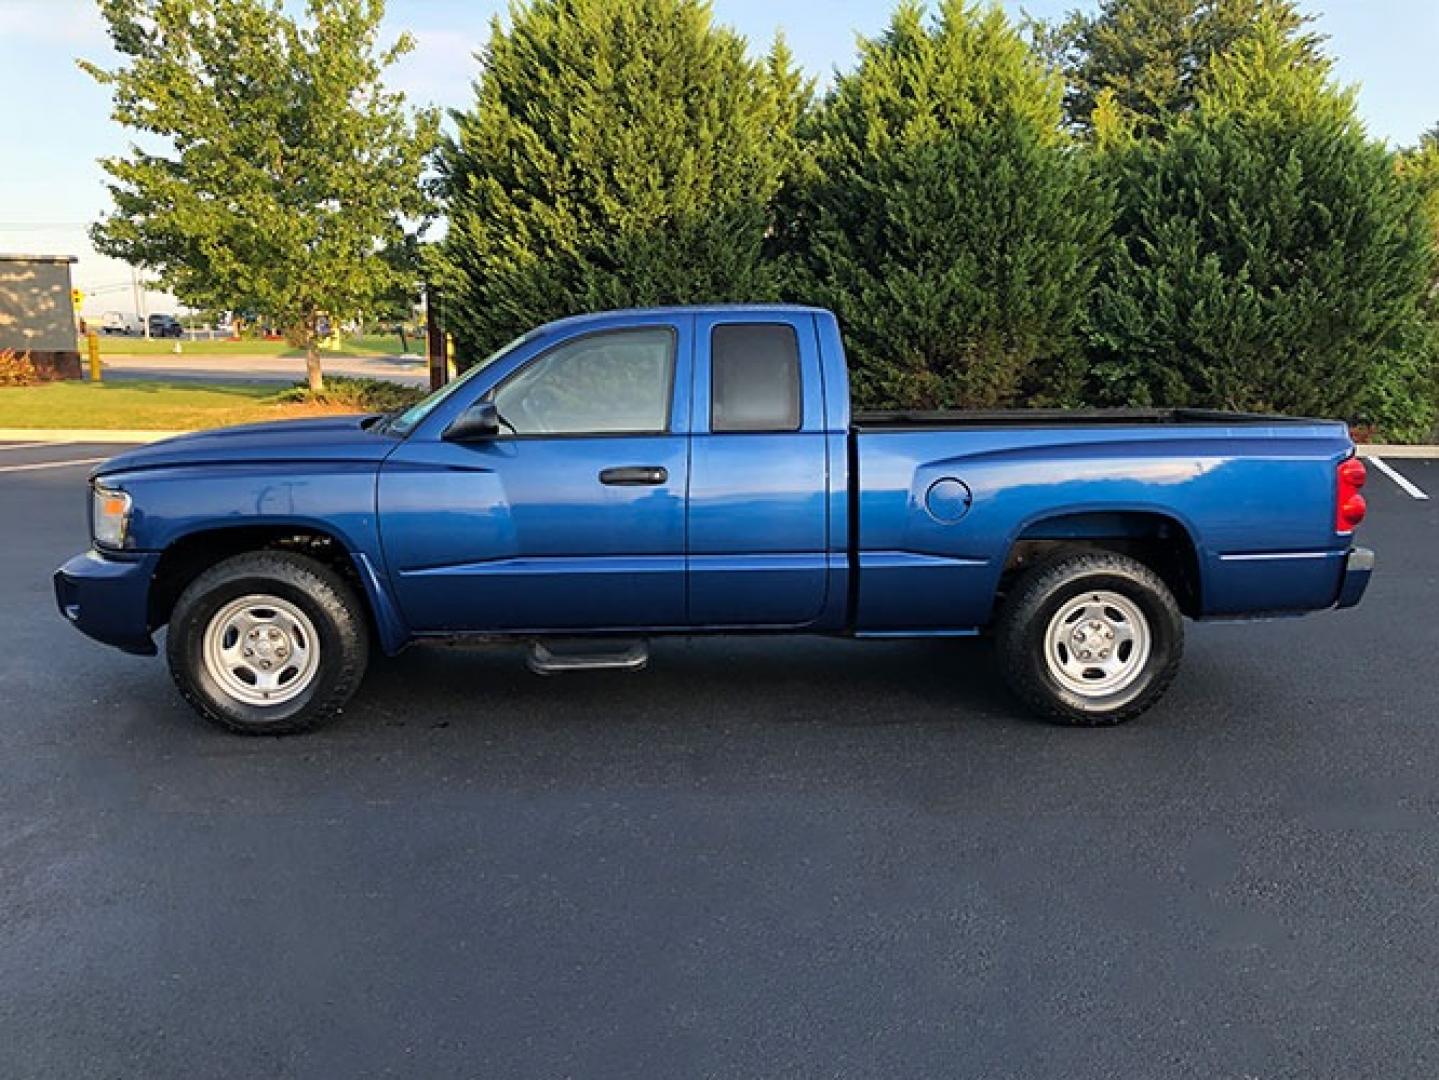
83 435
1380 450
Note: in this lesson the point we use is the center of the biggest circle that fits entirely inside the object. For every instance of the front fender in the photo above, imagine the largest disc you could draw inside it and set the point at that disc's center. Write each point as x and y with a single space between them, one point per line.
336 498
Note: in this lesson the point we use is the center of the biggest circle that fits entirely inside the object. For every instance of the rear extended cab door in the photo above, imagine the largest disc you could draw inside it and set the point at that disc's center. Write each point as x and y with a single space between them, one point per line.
759 516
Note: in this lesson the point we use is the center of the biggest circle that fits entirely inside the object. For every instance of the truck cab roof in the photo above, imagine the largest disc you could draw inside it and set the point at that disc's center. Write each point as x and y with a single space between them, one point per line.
599 319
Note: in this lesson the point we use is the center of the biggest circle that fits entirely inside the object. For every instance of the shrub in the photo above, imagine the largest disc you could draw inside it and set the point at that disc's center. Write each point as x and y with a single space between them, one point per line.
17 370
362 395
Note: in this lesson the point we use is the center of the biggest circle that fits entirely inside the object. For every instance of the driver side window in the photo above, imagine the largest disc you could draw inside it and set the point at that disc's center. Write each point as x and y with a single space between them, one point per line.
613 383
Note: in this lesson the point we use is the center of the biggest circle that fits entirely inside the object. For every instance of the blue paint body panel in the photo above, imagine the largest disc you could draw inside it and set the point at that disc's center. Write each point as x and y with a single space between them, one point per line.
1236 493
520 534
878 529
759 511
108 599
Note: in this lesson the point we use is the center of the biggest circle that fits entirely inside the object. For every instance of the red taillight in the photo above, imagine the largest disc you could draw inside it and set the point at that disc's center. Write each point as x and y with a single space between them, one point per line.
1352 508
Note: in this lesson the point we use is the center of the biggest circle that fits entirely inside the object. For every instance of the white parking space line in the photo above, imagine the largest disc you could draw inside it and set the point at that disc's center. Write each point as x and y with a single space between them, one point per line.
52 464
1407 486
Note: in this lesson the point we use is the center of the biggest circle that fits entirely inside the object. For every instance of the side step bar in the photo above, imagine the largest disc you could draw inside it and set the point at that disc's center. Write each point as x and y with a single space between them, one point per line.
559 657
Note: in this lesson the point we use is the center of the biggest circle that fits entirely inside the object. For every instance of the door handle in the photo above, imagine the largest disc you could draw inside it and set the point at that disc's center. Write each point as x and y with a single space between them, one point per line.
635 476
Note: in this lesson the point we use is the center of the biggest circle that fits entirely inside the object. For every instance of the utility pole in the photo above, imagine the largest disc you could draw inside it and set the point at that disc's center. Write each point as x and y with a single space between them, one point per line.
435 342
140 312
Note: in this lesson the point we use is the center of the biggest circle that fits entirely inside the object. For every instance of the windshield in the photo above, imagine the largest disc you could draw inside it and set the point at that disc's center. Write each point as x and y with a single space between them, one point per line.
408 420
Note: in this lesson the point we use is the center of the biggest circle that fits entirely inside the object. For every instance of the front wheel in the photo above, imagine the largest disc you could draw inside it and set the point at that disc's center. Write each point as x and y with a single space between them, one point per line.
1090 639
268 643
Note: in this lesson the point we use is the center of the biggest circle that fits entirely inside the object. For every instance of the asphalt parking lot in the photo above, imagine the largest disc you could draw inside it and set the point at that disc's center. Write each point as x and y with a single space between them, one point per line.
760 858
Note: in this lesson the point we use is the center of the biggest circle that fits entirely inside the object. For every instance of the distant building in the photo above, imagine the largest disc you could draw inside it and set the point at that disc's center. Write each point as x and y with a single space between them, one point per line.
37 312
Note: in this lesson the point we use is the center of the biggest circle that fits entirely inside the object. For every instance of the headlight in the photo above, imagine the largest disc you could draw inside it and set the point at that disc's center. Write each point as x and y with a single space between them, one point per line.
109 516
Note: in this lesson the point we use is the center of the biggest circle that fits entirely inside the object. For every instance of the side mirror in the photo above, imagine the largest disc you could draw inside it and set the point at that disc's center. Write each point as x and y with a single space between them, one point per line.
480 421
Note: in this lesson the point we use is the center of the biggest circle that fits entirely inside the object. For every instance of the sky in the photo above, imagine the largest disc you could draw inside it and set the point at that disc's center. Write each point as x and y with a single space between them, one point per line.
54 120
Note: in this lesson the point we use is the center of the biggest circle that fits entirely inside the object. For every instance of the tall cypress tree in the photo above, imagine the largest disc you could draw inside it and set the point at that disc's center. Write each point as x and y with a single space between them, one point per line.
945 218
619 153
1420 166
1269 256
1149 58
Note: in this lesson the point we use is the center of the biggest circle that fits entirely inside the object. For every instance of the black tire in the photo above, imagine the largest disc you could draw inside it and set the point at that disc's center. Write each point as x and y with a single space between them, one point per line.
337 615
1022 637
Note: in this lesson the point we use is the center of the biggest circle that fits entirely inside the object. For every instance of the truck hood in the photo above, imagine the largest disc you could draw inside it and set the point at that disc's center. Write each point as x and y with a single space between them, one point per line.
326 438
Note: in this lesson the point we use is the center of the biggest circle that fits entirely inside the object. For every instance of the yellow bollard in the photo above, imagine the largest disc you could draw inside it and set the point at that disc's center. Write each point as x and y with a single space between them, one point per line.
449 357
92 343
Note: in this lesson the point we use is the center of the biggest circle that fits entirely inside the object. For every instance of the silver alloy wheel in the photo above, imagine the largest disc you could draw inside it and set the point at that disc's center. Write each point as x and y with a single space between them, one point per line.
261 650
1097 646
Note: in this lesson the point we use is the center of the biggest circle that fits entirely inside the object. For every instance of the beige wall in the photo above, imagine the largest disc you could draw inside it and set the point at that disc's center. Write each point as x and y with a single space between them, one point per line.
35 306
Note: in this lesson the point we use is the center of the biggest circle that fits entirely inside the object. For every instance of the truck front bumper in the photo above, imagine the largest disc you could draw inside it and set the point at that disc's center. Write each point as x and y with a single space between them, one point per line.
108 598
1357 571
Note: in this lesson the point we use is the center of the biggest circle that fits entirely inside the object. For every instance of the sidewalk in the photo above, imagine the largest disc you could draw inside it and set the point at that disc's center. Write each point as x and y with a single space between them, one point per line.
1416 451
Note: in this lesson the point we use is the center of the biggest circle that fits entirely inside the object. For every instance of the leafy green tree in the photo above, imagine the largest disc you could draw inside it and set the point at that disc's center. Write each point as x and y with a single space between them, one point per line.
278 175
1152 56
619 153
946 218
1269 257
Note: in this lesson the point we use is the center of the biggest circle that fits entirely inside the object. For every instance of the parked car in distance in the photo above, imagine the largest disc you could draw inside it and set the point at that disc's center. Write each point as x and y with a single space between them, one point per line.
611 478
165 326
119 324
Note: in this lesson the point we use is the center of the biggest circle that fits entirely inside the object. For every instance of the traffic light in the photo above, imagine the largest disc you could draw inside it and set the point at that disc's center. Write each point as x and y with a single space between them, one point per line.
77 298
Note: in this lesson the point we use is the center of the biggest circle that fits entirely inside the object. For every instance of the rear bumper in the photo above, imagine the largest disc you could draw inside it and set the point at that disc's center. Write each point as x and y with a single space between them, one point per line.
108 599
1357 571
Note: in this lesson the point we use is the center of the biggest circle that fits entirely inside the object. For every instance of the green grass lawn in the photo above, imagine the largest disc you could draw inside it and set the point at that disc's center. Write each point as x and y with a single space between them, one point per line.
382 345
365 345
144 406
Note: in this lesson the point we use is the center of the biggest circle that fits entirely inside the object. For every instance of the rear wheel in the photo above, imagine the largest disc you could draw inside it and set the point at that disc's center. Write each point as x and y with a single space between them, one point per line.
268 643
1091 639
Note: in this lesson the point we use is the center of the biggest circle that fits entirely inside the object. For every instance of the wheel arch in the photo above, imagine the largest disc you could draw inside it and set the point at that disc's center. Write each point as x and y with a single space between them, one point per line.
190 555
1159 540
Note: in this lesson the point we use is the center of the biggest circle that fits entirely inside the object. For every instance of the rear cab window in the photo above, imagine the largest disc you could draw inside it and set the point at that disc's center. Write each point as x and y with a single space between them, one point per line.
755 378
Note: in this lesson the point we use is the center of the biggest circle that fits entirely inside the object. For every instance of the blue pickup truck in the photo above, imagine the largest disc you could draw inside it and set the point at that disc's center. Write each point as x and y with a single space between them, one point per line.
611 478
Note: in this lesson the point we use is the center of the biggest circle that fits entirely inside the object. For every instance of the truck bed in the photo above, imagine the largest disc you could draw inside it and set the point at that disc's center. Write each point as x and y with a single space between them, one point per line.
940 499
949 419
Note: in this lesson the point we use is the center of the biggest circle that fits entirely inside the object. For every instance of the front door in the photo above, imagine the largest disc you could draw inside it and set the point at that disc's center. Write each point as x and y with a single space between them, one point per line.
572 518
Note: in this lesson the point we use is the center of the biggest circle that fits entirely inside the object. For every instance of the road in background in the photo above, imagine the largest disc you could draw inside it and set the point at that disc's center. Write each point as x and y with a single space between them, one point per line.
411 371
760 858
